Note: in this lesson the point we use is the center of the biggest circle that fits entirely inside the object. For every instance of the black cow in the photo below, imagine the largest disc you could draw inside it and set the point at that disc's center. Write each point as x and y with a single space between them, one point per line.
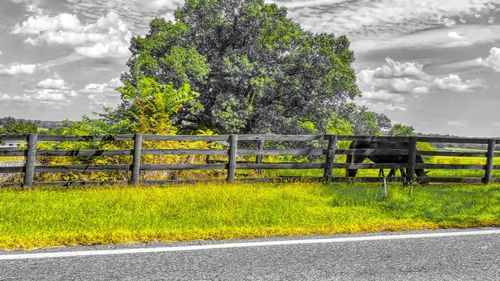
382 158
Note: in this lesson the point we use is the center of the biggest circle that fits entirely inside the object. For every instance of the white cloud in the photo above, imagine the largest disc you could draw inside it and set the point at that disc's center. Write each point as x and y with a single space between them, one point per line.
46 96
455 35
108 37
17 69
1 52
376 18
383 96
394 77
448 22
104 50
53 83
138 13
5 97
493 60
42 24
456 123
51 95
357 18
382 105
458 39
155 5
71 58
454 83
103 94
53 90
432 38
31 5
397 69
130 6
369 24
392 83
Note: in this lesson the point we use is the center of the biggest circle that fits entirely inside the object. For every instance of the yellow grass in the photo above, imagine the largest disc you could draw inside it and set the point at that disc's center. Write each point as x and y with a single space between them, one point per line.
47 217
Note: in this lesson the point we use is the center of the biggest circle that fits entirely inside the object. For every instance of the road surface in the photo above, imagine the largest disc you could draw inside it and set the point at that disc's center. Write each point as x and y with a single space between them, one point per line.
472 254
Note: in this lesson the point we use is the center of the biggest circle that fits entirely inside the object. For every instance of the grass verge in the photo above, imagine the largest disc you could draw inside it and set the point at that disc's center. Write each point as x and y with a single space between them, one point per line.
47 217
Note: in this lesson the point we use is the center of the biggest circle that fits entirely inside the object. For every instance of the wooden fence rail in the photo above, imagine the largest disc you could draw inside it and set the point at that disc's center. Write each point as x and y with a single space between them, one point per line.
322 151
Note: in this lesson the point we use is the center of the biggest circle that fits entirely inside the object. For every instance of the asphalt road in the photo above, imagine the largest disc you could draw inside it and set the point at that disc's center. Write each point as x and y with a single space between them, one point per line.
387 256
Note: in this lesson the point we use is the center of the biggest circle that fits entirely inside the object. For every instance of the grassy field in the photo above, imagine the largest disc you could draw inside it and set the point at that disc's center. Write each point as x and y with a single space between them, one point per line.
11 158
46 217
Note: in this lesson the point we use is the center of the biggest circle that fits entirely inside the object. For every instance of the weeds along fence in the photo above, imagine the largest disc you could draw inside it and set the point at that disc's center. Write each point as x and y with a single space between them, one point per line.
237 157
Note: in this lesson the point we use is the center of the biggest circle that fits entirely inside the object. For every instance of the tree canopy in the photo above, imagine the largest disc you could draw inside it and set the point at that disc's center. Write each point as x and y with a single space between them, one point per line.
255 69
12 126
401 130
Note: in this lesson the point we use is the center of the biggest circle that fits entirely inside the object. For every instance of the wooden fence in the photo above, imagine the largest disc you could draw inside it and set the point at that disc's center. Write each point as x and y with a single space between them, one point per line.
323 148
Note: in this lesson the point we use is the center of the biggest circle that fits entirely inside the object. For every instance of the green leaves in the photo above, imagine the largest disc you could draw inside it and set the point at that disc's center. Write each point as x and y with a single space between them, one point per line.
186 63
12 126
401 130
255 69
155 103
276 30
94 127
335 125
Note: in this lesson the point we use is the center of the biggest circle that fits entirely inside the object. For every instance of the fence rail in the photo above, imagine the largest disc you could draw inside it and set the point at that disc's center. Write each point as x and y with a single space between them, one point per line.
326 150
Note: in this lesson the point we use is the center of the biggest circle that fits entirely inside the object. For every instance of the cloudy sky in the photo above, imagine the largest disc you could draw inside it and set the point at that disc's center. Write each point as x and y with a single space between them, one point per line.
433 64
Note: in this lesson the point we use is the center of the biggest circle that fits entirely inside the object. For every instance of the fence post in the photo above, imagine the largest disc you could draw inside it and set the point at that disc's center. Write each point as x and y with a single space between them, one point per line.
233 149
136 161
330 157
488 170
412 157
258 159
29 169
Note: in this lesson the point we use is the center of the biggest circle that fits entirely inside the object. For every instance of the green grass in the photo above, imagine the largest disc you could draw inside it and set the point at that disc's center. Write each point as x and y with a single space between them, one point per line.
46 217
11 158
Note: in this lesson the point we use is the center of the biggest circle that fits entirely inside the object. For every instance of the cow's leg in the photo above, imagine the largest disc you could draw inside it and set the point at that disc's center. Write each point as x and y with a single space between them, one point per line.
381 173
391 173
403 175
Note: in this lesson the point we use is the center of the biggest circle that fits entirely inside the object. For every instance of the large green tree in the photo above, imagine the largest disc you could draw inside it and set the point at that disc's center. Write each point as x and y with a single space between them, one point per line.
255 69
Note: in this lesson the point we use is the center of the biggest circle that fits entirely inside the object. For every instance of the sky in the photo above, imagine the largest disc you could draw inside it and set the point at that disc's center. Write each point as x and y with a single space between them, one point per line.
432 64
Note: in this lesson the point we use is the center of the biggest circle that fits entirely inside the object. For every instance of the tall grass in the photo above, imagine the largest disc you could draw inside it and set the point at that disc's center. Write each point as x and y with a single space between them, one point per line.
47 217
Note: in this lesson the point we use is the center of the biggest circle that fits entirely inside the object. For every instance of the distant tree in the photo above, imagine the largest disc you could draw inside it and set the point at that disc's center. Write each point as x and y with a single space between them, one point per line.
255 69
11 126
365 122
401 130
93 127
383 122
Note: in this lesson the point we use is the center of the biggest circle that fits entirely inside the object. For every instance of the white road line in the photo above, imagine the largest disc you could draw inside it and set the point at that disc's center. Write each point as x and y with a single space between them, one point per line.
242 245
